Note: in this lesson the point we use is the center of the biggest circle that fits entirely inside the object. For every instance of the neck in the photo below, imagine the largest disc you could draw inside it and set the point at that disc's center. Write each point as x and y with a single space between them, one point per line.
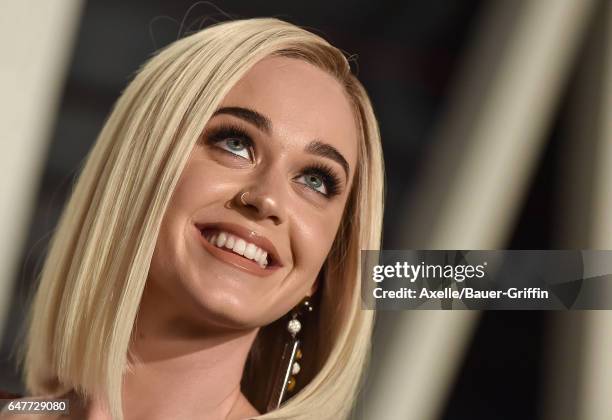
183 372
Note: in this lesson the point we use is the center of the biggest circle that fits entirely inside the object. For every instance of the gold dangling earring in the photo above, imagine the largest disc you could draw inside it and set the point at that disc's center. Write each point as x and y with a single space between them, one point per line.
292 353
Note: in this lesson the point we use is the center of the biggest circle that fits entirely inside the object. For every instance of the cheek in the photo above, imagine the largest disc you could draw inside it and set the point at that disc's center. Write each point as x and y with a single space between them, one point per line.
316 239
196 184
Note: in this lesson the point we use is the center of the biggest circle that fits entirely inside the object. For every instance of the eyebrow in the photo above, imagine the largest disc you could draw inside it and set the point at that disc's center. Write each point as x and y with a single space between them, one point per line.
264 124
261 122
325 150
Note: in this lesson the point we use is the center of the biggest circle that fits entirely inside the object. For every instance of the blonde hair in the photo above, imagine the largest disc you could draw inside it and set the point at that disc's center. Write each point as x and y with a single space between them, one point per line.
91 285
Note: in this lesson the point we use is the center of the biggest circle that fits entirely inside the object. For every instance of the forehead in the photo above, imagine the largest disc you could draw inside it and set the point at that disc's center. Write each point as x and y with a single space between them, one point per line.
303 102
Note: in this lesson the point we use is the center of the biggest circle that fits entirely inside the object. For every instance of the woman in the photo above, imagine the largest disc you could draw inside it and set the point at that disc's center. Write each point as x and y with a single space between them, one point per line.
238 177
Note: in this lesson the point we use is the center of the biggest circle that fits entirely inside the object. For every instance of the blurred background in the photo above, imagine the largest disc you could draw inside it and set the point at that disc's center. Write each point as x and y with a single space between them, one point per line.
497 132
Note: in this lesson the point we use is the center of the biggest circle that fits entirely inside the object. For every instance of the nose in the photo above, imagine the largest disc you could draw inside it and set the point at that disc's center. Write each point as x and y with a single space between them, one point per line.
263 200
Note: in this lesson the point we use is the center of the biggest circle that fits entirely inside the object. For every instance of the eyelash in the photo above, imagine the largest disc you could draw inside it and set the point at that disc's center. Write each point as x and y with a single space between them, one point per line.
230 132
331 181
327 175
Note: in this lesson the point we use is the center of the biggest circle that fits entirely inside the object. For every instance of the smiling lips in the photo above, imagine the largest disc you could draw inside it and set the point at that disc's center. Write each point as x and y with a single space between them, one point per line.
240 247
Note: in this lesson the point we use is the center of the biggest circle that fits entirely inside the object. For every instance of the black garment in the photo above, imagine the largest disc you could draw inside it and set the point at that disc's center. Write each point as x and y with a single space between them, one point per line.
8 395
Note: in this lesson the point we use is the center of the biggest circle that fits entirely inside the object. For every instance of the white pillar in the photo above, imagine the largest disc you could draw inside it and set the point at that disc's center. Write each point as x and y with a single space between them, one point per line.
476 191
579 373
595 393
36 40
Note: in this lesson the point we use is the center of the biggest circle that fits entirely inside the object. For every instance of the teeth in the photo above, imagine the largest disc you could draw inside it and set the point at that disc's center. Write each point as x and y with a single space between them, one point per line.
250 250
263 259
239 246
221 239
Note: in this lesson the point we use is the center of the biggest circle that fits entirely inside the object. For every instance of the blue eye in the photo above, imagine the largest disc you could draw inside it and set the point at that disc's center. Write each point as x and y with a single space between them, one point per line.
315 182
236 146
232 140
321 179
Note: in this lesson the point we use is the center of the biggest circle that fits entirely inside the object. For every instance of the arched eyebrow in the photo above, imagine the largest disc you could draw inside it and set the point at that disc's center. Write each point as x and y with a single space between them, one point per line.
328 151
264 124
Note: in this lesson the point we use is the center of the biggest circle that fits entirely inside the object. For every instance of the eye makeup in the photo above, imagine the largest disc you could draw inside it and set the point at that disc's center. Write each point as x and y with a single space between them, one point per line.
224 132
330 179
229 132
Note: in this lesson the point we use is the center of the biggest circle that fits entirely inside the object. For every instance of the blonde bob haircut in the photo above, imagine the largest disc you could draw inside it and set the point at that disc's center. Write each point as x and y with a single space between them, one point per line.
84 310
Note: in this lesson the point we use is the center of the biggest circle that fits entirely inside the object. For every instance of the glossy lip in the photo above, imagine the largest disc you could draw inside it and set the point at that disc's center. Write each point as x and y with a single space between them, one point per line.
246 234
236 260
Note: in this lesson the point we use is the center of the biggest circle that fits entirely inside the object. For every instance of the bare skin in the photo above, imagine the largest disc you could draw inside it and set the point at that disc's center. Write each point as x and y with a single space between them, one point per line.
200 312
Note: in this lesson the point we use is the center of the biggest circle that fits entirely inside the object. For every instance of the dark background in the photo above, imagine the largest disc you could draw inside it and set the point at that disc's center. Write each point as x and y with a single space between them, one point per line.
408 54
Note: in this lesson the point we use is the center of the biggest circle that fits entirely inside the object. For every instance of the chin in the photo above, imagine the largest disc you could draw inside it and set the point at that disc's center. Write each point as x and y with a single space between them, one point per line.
232 309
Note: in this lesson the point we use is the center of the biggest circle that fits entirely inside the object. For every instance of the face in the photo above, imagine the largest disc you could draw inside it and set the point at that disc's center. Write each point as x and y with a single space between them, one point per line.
258 205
